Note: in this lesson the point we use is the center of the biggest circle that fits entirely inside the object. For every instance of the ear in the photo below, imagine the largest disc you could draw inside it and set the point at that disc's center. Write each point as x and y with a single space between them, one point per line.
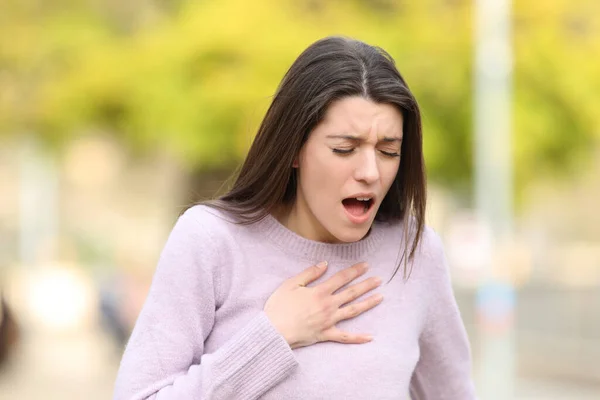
295 163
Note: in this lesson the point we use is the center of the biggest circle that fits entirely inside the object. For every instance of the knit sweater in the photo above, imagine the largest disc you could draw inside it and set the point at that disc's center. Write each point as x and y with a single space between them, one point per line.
202 332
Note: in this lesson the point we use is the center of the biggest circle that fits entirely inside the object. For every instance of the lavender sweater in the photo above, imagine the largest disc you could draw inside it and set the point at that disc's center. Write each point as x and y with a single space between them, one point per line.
202 333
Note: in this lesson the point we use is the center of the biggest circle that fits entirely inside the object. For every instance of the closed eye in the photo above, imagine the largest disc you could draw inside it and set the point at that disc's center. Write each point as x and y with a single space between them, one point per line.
343 151
390 154
348 151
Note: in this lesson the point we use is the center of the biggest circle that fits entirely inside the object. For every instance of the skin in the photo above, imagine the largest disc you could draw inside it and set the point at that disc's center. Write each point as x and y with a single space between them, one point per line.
371 134
354 150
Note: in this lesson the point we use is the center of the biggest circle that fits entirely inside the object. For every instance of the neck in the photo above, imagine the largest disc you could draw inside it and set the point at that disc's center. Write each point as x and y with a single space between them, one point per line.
298 219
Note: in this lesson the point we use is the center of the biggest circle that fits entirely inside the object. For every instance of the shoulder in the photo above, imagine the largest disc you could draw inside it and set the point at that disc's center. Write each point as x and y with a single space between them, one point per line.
197 227
213 226
430 244
430 258
206 216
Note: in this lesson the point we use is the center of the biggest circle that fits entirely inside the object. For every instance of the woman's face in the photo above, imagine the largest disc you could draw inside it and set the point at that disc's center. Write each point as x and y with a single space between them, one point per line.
345 169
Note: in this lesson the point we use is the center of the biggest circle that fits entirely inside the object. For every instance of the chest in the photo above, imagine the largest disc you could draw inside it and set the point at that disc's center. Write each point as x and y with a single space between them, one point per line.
381 369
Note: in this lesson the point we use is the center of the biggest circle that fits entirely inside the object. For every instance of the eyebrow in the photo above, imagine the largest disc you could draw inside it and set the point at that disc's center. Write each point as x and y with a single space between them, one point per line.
361 138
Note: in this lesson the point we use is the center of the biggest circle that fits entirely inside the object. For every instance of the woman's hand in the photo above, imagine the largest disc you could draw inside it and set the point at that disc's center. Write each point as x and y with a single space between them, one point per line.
308 315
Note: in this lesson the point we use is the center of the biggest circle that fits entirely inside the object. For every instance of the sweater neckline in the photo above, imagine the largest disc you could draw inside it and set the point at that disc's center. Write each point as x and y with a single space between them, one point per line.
292 243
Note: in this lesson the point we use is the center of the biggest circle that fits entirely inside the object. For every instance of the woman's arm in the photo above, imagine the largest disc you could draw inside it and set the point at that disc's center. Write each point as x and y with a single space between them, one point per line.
443 371
164 358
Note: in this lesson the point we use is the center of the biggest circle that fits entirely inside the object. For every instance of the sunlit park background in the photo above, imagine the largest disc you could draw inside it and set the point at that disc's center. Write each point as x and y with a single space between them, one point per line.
116 115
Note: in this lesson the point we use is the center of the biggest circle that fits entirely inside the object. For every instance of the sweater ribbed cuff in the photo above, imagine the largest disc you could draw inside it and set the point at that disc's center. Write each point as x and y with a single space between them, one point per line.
257 358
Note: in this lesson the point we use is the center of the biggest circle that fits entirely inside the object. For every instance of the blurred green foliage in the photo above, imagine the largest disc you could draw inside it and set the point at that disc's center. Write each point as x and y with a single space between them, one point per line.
195 77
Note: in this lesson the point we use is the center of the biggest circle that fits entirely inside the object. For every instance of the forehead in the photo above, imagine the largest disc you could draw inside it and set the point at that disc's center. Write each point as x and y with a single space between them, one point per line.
360 116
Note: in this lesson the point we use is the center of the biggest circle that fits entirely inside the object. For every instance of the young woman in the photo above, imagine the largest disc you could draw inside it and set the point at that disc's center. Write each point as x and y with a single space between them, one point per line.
334 179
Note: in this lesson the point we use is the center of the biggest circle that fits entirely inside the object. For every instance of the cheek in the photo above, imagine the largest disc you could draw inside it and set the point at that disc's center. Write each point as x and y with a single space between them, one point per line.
388 174
322 174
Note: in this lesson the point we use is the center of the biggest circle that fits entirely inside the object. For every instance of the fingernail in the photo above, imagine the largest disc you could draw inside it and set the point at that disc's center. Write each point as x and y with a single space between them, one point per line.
366 266
322 264
369 338
378 281
378 297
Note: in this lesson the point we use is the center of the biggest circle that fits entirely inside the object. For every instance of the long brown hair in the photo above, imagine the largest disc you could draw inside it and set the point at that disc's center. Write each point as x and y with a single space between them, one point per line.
328 70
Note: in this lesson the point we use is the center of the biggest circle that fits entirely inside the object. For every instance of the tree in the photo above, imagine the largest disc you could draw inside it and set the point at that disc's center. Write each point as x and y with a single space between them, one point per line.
197 78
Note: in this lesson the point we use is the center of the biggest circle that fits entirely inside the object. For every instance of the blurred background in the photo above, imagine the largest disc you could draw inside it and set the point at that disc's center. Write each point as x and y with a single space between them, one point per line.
115 116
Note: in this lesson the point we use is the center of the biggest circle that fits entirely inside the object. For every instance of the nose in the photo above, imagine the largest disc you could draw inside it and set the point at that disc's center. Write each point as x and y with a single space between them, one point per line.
367 169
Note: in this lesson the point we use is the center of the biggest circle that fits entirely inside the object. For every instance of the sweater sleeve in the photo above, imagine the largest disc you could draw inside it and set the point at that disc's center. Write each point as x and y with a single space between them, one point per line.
443 371
164 358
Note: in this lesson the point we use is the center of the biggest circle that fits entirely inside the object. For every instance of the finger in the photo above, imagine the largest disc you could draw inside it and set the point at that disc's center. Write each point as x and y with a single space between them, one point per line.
310 274
335 335
344 277
355 291
355 309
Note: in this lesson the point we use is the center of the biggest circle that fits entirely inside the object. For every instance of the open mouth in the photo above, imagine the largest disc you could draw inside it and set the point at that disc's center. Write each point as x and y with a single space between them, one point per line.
358 206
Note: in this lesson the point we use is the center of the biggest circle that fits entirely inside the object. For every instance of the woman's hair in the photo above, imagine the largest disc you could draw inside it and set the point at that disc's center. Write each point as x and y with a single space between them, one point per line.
330 69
